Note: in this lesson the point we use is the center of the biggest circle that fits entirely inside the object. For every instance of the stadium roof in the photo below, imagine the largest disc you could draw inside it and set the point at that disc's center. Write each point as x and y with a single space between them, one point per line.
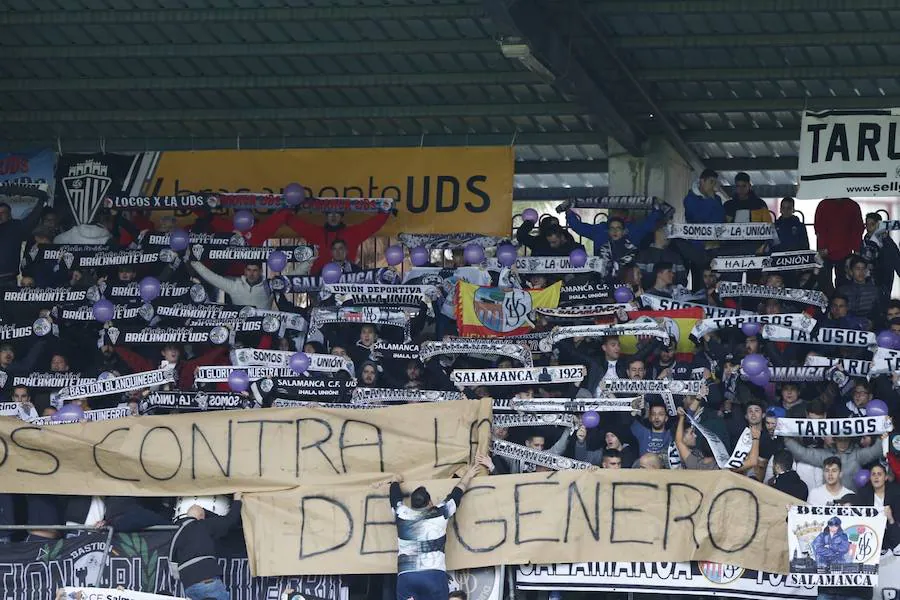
723 80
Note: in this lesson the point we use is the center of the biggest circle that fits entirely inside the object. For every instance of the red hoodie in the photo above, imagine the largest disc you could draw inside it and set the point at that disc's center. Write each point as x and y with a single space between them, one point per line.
839 227
322 236
261 232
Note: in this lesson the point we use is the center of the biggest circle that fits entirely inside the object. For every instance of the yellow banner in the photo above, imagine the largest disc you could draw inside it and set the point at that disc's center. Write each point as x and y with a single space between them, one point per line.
566 516
435 190
247 450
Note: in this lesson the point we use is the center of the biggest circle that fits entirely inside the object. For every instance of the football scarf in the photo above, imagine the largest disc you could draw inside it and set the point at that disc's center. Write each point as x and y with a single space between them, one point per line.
251 253
116 385
728 289
798 321
720 452
851 366
165 402
537 458
359 315
710 312
824 336
220 374
523 376
569 405
777 261
448 241
401 396
550 265
613 202
557 334
485 348
820 428
735 232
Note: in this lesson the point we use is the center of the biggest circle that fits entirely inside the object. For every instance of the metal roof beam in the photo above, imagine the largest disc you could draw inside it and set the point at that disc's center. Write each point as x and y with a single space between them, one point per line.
529 20
782 134
777 104
292 114
770 73
71 144
231 15
623 7
554 167
259 82
762 163
72 52
746 40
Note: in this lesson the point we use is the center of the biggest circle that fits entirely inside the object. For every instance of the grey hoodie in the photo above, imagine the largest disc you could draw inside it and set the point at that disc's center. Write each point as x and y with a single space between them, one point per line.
852 460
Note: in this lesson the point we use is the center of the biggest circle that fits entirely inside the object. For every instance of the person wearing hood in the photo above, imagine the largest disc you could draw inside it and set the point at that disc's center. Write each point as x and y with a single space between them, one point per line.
615 438
334 229
552 239
702 204
12 233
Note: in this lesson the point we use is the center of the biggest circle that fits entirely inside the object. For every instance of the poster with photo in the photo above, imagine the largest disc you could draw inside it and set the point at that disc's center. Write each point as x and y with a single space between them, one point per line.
835 546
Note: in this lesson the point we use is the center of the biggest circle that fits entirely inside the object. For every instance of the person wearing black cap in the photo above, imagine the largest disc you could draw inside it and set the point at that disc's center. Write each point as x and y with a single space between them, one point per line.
421 538
192 553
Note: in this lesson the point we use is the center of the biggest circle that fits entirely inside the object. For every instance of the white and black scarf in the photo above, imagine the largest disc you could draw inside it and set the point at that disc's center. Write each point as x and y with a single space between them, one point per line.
728 289
798 321
558 334
477 347
117 385
524 376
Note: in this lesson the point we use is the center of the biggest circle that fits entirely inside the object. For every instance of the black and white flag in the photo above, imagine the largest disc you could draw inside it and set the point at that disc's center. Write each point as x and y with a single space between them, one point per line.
777 261
822 428
84 181
538 458
737 232
710 312
728 289
824 336
402 396
558 334
551 265
798 321
117 385
569 405
522 376
164 402
584 293
487 348
220 374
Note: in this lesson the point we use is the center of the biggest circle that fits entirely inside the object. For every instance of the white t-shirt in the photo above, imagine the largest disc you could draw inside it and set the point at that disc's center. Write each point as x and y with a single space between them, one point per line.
820 496
611 372
879 502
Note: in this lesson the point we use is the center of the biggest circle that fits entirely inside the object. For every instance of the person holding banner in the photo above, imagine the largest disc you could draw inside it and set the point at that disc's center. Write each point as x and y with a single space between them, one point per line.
421 537
333 229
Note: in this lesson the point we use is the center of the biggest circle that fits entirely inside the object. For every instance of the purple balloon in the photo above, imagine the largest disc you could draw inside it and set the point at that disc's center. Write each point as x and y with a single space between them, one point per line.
394 255
506 255
294 194
331 273
754 364
877 408
623 294
68 412
761 379
529 214
419 256
578 257
590 419
103 310
750 329
861 477
243 221
474 254
299 362
149 289
277 261
886 339
239 380
179 240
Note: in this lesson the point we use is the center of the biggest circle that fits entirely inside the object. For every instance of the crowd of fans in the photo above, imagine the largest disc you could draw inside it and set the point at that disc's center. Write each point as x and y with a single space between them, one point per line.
857 274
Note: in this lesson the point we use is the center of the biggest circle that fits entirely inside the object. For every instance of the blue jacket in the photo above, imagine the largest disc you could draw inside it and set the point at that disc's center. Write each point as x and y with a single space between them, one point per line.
830 548
599 232
791 234
700 209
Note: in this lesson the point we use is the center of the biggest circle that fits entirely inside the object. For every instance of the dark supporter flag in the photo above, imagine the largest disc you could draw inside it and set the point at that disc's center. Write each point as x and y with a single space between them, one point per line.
37 569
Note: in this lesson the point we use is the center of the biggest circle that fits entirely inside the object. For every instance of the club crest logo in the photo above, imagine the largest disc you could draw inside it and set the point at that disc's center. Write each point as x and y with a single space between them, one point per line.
85 188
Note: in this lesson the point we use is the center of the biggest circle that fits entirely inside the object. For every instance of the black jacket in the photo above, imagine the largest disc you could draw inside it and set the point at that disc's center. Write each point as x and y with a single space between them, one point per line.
538 244
790 483
199 539
866 497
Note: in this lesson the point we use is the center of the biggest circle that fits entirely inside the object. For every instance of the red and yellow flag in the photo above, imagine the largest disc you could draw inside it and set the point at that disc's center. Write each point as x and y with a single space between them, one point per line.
678 322
499 312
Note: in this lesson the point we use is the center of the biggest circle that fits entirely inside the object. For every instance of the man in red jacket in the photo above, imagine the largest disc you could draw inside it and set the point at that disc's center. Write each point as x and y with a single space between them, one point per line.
839 228
333 229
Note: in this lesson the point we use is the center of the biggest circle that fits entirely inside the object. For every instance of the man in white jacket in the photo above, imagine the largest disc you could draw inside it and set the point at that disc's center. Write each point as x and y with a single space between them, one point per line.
250 289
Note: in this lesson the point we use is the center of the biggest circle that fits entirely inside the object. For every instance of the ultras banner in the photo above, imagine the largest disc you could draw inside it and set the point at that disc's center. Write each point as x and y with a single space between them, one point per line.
137 561
435 190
